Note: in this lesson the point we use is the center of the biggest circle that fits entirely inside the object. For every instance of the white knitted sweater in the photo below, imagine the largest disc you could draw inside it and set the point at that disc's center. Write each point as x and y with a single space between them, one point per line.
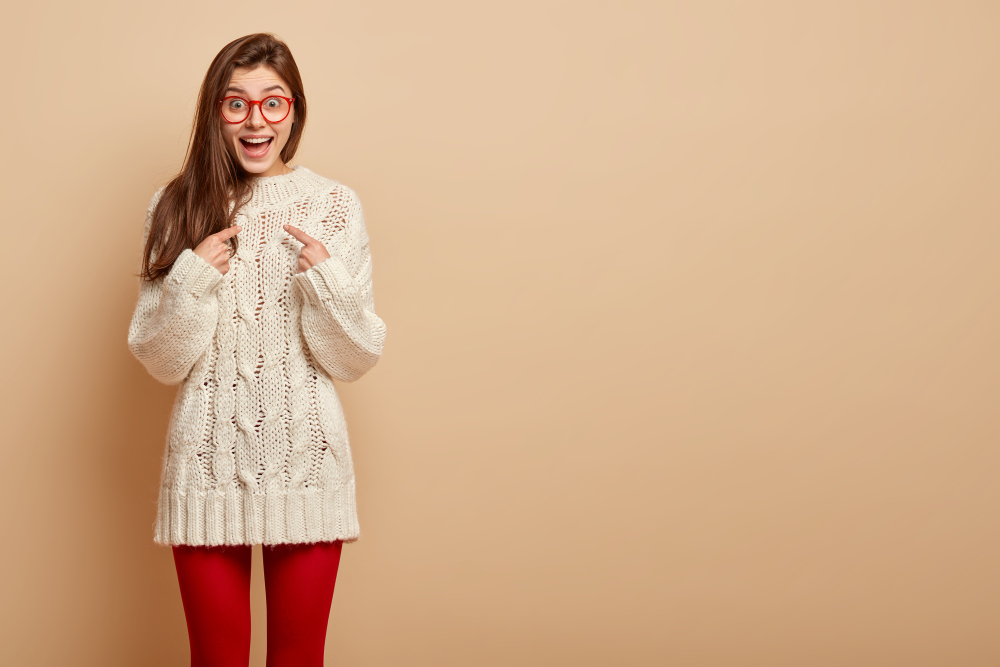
257 449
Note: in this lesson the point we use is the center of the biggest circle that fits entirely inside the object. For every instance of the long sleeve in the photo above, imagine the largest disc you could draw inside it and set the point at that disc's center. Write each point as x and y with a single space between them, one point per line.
339 323
176 315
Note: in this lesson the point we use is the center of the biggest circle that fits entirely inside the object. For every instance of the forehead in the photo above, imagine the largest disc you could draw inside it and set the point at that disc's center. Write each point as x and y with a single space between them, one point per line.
257 78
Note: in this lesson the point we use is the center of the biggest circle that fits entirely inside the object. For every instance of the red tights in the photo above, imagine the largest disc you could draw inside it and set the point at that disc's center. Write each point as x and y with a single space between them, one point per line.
215 590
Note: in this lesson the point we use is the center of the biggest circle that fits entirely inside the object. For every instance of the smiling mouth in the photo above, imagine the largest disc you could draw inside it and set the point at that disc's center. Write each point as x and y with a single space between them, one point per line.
256 149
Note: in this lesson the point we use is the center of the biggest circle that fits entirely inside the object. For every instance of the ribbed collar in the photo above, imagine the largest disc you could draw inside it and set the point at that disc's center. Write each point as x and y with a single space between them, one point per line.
273 190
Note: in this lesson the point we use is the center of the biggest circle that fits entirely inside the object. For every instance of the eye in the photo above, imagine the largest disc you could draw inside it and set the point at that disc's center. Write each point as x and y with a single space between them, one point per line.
236 104
273 102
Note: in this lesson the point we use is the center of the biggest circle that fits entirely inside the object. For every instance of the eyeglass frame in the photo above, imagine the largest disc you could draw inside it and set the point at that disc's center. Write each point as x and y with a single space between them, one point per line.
251 103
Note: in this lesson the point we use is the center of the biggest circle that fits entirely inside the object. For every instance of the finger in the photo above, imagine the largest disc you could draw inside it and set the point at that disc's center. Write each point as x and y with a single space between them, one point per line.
228 232
299 234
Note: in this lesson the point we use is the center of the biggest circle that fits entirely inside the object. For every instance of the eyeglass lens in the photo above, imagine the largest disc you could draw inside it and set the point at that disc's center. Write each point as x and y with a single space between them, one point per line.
274 109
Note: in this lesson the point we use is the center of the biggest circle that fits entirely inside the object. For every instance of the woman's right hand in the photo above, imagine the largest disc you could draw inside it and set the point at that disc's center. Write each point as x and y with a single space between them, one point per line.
214 251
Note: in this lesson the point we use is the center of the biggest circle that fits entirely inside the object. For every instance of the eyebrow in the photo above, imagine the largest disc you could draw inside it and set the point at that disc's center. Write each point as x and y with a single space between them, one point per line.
240 90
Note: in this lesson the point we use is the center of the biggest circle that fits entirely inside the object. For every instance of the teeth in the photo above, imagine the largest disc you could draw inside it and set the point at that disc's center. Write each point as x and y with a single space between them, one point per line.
257 141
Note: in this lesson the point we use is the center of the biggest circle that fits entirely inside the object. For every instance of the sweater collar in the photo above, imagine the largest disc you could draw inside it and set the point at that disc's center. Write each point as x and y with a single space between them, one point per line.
271 190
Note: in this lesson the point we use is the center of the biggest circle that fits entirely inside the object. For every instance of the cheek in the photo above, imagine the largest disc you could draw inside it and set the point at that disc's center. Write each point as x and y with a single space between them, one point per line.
286 130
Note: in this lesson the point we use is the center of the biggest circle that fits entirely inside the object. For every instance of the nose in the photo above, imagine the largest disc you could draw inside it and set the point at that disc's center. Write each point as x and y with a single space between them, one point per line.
256 117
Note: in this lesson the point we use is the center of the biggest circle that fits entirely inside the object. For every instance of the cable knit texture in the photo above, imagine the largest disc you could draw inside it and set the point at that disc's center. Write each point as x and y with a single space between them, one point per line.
257 449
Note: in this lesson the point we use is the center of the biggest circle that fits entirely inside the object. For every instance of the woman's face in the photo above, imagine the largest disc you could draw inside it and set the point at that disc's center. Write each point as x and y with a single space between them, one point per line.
263 158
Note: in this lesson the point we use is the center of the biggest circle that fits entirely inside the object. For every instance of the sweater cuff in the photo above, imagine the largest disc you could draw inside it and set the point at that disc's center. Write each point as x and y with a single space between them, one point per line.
194 274
322 281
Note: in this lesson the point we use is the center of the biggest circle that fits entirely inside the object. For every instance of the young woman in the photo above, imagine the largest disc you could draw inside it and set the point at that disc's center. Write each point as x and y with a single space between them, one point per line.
255 294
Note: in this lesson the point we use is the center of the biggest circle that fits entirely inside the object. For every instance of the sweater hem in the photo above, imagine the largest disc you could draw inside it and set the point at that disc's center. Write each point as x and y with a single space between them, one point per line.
238 515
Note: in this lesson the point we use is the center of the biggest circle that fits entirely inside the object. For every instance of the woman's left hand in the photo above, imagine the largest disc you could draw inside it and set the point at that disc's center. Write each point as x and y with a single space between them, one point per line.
312 252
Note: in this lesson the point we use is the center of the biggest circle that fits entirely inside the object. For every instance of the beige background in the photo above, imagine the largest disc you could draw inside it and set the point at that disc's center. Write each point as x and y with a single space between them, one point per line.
692 328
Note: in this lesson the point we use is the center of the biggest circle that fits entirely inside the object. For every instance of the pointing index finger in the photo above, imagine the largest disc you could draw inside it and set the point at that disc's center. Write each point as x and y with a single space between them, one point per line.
228 232
299 234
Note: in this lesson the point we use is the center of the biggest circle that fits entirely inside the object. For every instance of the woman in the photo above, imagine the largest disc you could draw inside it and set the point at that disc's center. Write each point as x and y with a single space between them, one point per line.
255 293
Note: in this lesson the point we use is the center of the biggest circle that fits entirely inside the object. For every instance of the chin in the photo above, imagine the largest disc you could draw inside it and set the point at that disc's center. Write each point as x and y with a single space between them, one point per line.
255 168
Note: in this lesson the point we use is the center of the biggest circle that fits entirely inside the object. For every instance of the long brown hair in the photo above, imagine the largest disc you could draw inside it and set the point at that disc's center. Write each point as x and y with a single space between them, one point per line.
212 186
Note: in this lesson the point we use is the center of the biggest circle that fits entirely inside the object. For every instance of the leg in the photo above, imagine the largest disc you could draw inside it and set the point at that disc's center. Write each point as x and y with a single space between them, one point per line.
299 581
215 590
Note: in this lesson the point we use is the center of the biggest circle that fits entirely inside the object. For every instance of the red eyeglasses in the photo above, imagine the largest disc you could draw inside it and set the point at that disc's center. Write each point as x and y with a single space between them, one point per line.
274 109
